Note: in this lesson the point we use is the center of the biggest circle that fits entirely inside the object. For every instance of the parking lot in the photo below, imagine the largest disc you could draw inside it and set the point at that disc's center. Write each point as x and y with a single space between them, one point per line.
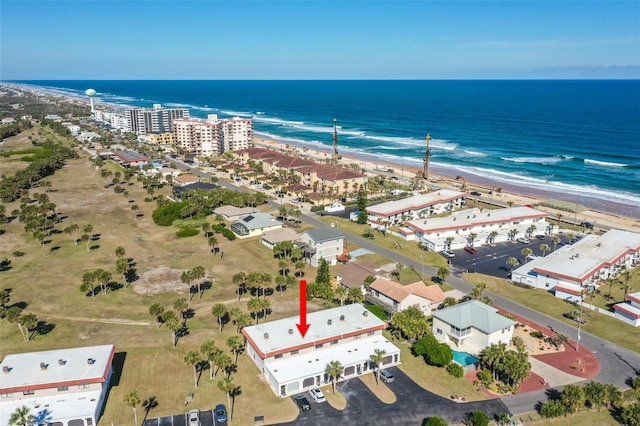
492 259
206 419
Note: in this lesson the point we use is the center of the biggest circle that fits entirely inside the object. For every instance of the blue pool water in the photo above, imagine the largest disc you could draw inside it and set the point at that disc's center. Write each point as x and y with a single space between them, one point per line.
464 358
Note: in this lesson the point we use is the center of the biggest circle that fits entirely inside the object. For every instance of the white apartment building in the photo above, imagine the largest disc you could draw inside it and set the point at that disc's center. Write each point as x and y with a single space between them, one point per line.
213 136
487 226
586 264
155 120
62 387
291 364
415 207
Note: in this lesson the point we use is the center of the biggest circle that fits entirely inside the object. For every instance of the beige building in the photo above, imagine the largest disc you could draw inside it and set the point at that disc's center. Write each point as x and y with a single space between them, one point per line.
213 136
164 138
395 297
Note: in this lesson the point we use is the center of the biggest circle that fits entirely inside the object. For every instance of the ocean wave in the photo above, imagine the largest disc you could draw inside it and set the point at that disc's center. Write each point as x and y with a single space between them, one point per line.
536 160
413 142
474 153
604 163
277 121
236 113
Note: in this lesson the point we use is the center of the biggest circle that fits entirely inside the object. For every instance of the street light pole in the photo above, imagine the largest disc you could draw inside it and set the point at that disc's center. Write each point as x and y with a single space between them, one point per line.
579 325
422 266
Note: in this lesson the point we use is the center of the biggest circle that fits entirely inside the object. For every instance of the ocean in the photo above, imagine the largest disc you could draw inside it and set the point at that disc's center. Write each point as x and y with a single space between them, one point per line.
573 140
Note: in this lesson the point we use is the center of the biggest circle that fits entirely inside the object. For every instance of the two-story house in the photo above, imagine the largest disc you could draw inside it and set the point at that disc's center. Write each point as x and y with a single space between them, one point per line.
325 244
255 224
67 387
291 364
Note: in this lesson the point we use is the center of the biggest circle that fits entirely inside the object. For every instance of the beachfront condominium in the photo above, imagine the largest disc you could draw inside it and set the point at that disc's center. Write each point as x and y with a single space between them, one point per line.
213 136
155 120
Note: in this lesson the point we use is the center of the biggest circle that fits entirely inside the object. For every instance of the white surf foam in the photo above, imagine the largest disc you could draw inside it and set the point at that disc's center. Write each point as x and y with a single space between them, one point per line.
604 163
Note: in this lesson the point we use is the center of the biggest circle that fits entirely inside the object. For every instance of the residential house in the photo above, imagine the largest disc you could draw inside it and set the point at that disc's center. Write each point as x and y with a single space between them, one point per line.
63 387
472 326
325 243
395 297
353 275
179 191
130 158
186 179
255 224
271 238
232 213
291 363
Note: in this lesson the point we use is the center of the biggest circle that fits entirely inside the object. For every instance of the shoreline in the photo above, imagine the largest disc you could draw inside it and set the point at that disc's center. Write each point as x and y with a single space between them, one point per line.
618 215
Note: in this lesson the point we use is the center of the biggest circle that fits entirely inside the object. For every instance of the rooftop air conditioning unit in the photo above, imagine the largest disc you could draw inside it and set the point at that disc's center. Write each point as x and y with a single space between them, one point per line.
341 317
266 335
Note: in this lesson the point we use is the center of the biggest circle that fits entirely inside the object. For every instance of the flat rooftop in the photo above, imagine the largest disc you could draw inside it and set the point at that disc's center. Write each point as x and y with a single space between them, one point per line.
472 218
282 335
312 363
415 202
584 258
76 365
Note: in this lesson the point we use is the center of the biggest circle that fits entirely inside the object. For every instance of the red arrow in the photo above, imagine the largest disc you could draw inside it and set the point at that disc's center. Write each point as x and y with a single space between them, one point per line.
303 326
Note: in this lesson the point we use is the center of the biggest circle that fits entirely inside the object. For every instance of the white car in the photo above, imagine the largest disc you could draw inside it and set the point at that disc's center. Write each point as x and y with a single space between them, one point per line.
523 240
317 395
448 253
194 418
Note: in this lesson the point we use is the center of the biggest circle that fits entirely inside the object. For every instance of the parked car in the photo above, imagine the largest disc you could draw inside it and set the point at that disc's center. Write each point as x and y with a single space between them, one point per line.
523 240
317 395
541 237
448 253
386 376
221 413
470 250
587 225
475 193
302 403
194 418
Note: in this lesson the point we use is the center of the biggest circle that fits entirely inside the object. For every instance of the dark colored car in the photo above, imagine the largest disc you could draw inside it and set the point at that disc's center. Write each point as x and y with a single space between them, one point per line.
221 413
475 193
470 249
587 225
302 402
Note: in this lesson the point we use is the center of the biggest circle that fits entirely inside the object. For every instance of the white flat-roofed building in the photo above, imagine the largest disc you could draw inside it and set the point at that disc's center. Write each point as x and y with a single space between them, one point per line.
213 136
63 387
236 133
472 326
417 206
157 120
586 263
292 364
629 312
488 226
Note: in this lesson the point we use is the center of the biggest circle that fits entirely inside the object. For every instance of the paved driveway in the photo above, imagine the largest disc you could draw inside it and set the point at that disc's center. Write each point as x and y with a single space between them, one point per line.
412 405
206 419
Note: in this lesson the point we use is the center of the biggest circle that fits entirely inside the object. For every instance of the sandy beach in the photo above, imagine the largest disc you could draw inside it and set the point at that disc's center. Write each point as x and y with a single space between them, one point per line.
508 194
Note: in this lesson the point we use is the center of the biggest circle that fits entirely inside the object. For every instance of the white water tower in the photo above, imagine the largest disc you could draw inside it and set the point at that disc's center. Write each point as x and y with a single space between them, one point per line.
91 93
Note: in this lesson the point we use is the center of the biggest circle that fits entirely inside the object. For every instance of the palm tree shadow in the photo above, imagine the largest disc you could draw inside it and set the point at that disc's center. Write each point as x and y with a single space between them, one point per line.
148 405
237 391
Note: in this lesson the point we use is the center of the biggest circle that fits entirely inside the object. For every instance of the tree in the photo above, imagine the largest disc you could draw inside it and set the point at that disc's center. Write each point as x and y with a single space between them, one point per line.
572 398
376 358
553 408
449 301
334 370
595 394
323 276
630 414
223 361
239 279
132 400
526 252
120 252
174 324
493 356
434 421
219 311
411 322
236 345
512 262
72 230
478 418
341 293
156 310
187 278
27 323
192 358
209 351
123 267
544 248
227 386
180 306
103 278
198 273
443 273
254 305
213 243
355 295
21 416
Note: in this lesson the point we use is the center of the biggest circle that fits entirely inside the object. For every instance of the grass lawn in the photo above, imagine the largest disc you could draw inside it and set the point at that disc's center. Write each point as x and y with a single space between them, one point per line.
605 327
599 418
378 388
391 242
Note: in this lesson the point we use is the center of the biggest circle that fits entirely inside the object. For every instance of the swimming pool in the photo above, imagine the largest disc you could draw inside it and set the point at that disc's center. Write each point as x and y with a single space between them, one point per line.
464 358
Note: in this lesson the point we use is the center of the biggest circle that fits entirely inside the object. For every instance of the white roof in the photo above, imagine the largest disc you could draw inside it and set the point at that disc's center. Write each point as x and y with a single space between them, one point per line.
62 366
414 203
584 258
235 211
283 336
473 218
312 363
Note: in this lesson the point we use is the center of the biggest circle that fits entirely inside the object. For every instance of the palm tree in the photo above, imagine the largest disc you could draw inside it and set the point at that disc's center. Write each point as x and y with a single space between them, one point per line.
376 358
355 295
493 356
471 239
192 358
448 242
222 361
492 236
334 370
236 345
341 293
132 400
213 243
28 323
595 394
555 240
174 324
227 386
512 262
198 273
156 310
254 305
21 417
544 248
180 306
572 398
526 252
120 251
239 279
187 278
123 268
135 209
219 310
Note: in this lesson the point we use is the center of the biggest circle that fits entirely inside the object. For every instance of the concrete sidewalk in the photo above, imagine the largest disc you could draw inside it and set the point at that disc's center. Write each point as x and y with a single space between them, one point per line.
552 375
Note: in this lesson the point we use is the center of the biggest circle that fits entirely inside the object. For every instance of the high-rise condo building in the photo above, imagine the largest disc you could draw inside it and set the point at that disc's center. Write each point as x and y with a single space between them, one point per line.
156 120
213 136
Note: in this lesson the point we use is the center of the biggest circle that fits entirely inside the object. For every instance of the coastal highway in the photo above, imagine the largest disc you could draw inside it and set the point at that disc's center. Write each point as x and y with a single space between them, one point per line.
617 364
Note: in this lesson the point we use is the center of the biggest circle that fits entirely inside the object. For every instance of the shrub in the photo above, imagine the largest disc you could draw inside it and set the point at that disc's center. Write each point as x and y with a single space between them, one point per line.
434 421
455 370
485 377
187 232
189 223
552 409
18 253
166 215
434 353
478 418
229 235
537 334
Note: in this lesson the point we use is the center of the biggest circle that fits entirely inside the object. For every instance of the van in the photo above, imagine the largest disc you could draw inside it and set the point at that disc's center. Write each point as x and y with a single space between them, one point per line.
386 376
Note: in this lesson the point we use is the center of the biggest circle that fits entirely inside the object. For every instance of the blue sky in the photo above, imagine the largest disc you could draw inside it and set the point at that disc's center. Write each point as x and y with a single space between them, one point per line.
318 40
